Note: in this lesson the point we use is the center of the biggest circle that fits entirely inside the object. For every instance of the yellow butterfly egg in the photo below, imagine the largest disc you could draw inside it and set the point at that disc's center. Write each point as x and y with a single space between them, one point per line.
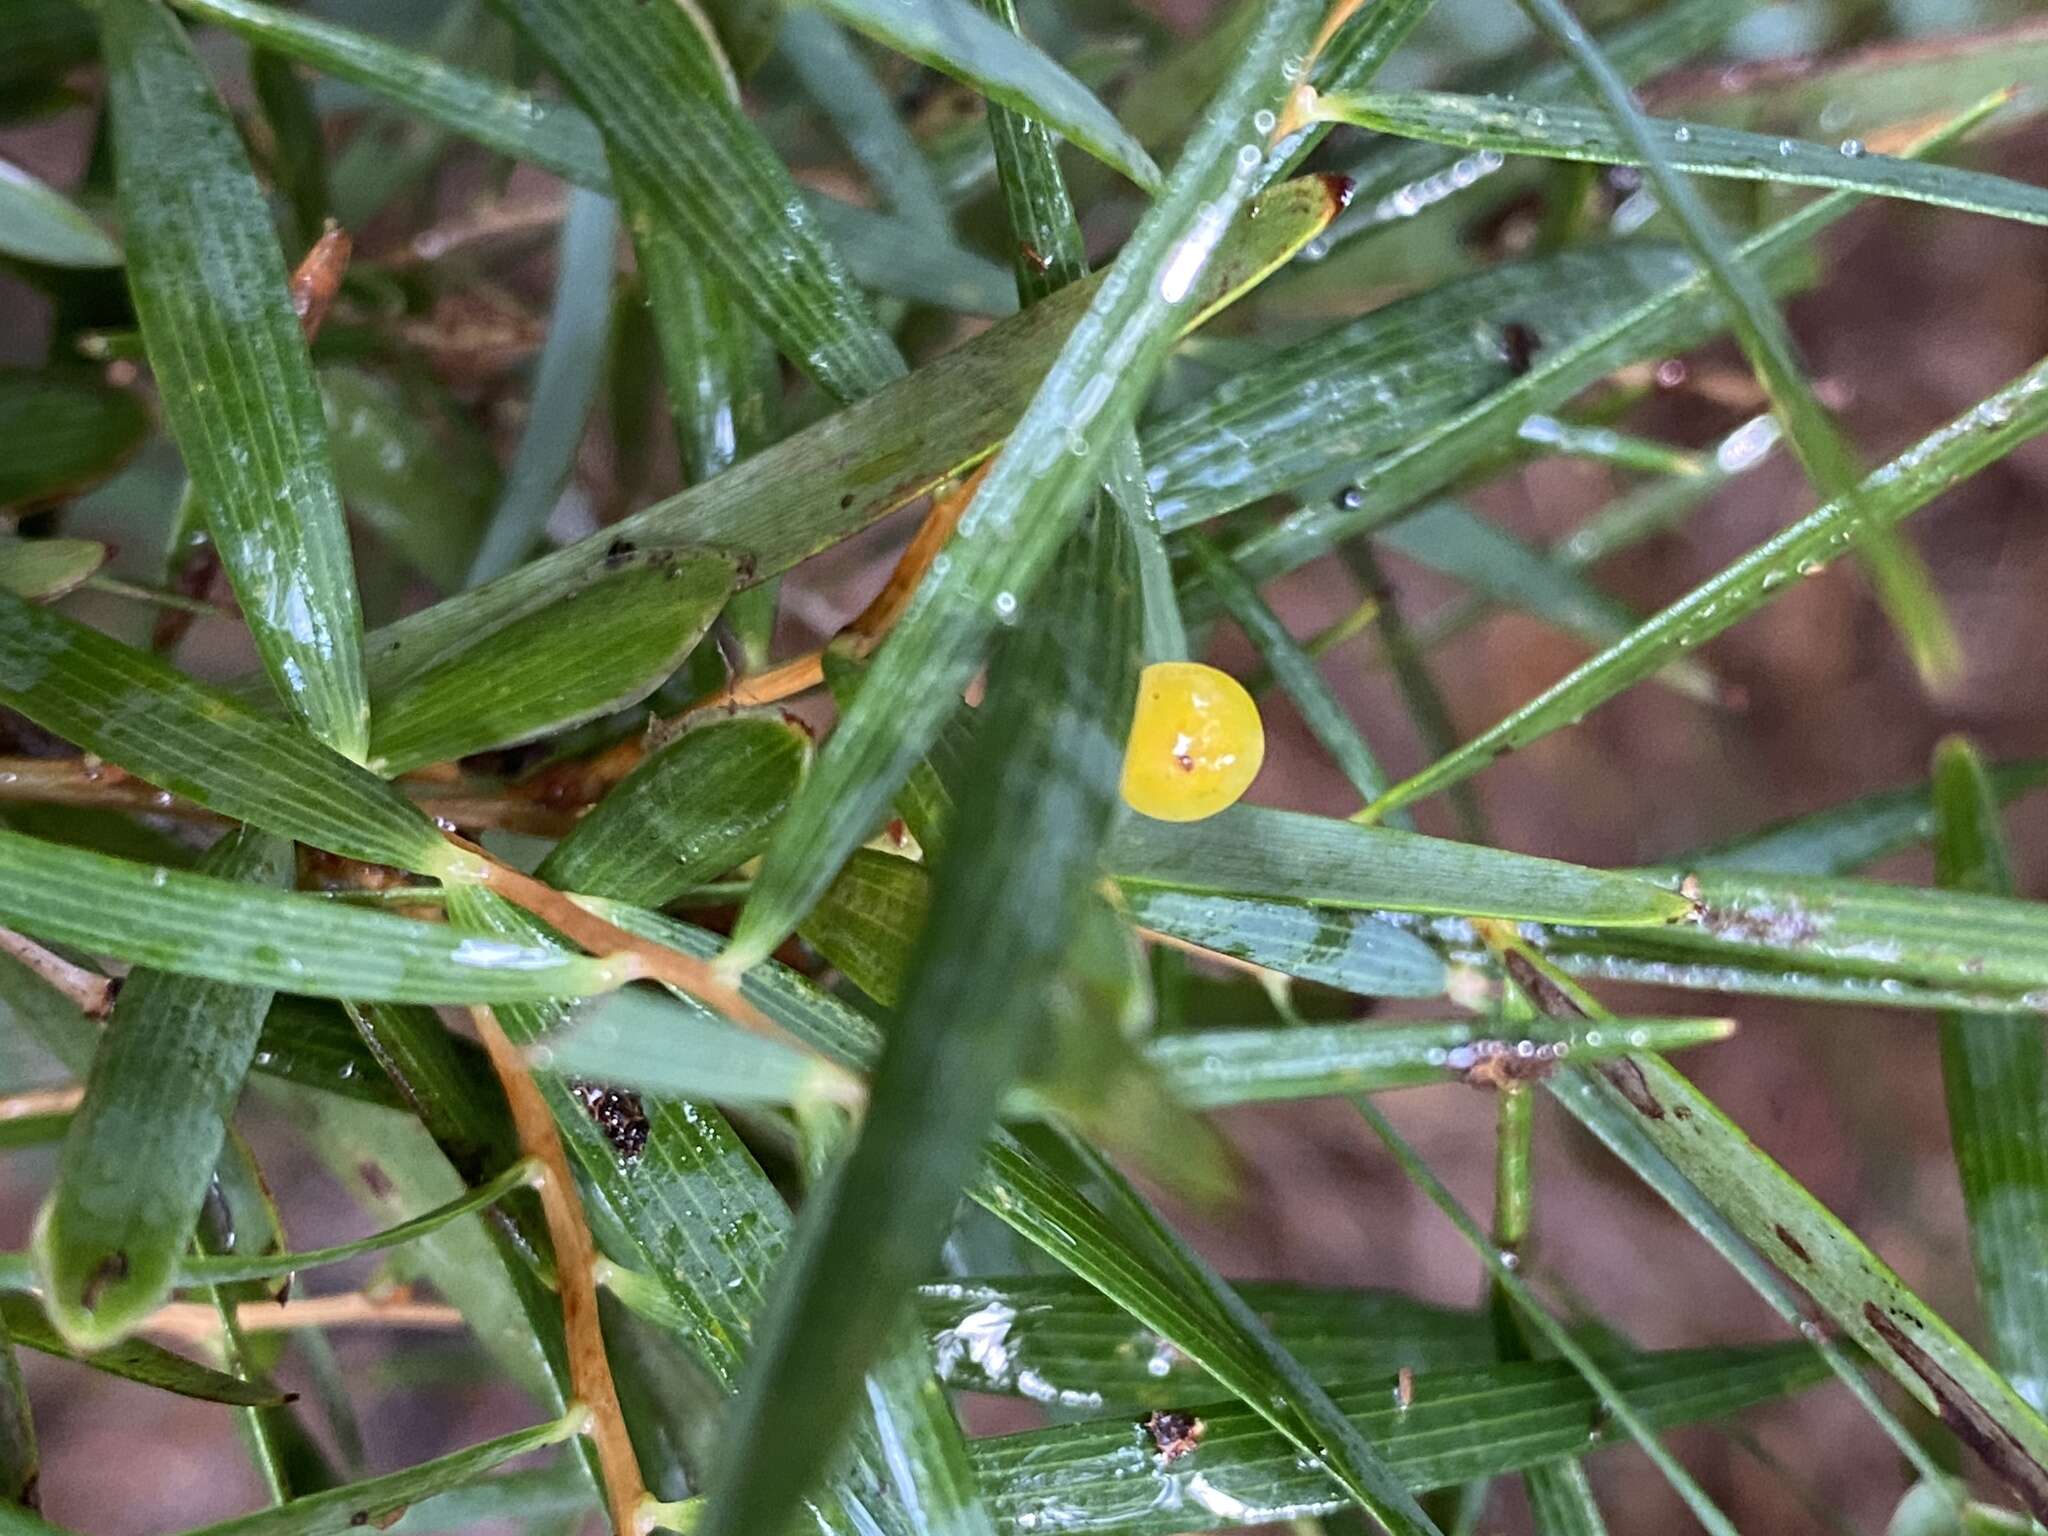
1196 742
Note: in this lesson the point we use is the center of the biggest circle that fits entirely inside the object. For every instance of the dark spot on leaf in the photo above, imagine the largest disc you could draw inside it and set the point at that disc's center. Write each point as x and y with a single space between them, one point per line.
618 1114
1628 1079
1174 1432
112 1268
1518 346
360 1517
846 501
1969 1420
1792 1244
375 1179
619 551
1546 994
1681 1112
1349 499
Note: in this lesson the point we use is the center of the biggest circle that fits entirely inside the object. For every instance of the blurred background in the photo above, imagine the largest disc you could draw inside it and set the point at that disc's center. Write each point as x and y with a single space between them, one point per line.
1919 313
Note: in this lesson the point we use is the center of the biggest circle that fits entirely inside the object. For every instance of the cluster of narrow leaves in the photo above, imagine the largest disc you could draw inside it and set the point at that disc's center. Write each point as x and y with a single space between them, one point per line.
411 777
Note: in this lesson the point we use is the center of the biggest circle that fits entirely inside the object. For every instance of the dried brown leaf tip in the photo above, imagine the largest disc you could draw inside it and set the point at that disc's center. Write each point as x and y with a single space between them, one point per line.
1175 1433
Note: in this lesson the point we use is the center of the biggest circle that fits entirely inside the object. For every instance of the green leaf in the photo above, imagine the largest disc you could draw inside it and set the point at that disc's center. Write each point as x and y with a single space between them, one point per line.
553 135
425 492
1347 950
1981 436
135 1360
1996 1074
1211 1068
1032 497
662 96
340 1510
821 485
1285 856
955 39
1676 317
1857 1291
1843 838
138 712
1336 403
868 919
195 925
1059 1341
642 1040
143 1143
595 650
1041 788
1447 536
1904 587
1292 668
695 807
1565 131
835 75
60 435
564 385
44 569
1462 1424
20 1461
208 282
42 225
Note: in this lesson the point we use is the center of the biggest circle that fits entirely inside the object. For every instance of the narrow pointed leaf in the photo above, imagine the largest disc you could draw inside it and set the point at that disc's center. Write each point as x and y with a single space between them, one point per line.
142 715
40 224
208 281
564 385
662 96
1858 1292
1904 587
1566 131
602 647
1041 788
1293 669
1215 1067
1350 951
1329 406
20 1460
136 1360
1842 839
1981 436
1285 856
1996 1074
143 1143
382 1499
956 39
1032 497
195 925
1057 1340
644 1041
1679 316
696 807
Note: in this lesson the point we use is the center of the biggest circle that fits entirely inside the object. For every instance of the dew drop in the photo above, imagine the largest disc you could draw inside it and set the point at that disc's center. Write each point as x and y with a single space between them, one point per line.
1681 134
1852 149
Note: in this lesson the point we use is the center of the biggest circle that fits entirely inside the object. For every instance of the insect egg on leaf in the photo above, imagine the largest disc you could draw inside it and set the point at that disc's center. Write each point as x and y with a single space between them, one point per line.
1196 742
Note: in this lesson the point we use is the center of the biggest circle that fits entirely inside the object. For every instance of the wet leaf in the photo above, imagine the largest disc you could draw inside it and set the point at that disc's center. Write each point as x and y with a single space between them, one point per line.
61 435
40 224
208 282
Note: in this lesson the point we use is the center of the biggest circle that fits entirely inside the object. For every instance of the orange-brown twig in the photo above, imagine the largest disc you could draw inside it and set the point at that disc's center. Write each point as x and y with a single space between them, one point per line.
801 673
590 1370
